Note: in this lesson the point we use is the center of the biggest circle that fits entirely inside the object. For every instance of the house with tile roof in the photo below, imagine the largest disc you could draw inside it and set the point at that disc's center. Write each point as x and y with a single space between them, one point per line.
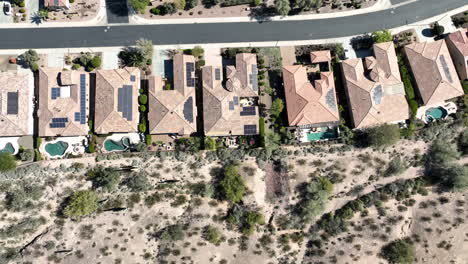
434 72
63 103
16 93
230 98
57 4
310 104
174 111
116 101
457 43
374 89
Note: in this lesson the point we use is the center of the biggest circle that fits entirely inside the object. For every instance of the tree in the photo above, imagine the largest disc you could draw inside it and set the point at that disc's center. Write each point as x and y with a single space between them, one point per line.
7 162
85 58
463 142
313 198
191 4
437 29
277 107
282 7
440 166
137 182
96 62
382 36
105 178
197 51
139 5
145 47
131 57
383 135
143 99
454 177
232 185
210 143
29 58
81 203
398 251
169 8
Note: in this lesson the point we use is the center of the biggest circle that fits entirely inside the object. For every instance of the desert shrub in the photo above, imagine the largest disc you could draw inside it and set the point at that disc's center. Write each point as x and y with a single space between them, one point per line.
81 203
137 182
191 144
244 219
189 4
382 36
210 143
212 234
395 166
26 226
313 197
232 185
383 135
105 178
7 162
398 251
463 142
173 233
29 58
24 197
439 162
139 5
26 155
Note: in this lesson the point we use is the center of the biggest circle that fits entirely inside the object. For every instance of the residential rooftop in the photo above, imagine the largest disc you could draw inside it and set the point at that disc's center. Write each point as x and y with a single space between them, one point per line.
310 104
63 102
16 104
230 98
434 72
457 43
174 111
376 94
320 56
116 102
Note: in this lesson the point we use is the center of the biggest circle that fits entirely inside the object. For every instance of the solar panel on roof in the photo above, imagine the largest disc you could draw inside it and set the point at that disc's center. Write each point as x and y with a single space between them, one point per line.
446 69
330 99
250 129
231 105
12 103
124 101
236 100
132 78
58 122
188 110
55 93
248 111
217 74
254 69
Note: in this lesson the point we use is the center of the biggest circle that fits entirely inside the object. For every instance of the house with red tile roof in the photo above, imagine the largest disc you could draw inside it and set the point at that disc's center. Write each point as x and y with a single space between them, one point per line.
457 43
374 89
434 72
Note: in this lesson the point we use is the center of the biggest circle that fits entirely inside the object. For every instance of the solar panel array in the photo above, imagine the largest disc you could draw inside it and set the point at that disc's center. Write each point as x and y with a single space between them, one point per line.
58 122
330 99
189 68
12 103
253 77
217 74
236 100
248 111
125 101
377 94
188 110
250 129
81 116
231 105
55 93
446 69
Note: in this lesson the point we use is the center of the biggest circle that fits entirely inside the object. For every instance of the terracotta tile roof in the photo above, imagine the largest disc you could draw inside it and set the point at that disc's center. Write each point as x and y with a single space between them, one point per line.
375 92
14 87
56 3
320 56
173 111
223 104
309 104
64 102
434 71
108 118
457 43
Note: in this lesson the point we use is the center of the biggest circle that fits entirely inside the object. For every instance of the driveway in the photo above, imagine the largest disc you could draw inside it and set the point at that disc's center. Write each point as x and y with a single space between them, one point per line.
117 11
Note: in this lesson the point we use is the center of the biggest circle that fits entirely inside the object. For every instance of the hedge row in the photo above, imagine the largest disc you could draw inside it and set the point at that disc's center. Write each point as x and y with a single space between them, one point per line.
236 2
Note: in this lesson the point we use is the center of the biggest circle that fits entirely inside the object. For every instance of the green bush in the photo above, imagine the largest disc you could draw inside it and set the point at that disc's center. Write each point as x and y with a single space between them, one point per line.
139 5
81 203
383 135
212 234
200 63
137 182
148 140
198 51
227 3
156 10
398 251
173 233
7 162
143 99
142 108
22 10
413 107
76 66
96 62
105 178
142 128
232 185
313 198
210 143
382 36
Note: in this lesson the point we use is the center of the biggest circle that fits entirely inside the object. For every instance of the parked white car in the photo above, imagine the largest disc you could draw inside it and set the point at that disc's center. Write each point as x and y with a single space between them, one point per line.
7 8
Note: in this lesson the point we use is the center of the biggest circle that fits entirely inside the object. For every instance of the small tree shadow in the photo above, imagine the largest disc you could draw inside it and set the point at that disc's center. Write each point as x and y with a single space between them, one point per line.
262 13
428 33
36 19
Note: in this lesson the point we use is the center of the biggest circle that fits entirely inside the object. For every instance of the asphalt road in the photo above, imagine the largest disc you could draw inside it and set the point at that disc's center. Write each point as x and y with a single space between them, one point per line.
225 32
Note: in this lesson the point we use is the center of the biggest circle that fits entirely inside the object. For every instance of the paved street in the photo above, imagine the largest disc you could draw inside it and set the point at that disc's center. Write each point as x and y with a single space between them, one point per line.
225 32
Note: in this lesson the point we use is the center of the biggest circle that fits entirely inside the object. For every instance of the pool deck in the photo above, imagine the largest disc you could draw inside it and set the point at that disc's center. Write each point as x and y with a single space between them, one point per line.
134 139
75 146
450 107
12 140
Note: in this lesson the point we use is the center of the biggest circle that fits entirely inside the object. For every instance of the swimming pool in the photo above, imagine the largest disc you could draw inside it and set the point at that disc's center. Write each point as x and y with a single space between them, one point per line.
56 149
111 145
326 133
435 113
8 149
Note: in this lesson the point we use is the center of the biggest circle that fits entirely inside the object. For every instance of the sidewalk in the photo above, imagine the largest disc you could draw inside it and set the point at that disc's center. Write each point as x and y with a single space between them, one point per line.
99 20
380 5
